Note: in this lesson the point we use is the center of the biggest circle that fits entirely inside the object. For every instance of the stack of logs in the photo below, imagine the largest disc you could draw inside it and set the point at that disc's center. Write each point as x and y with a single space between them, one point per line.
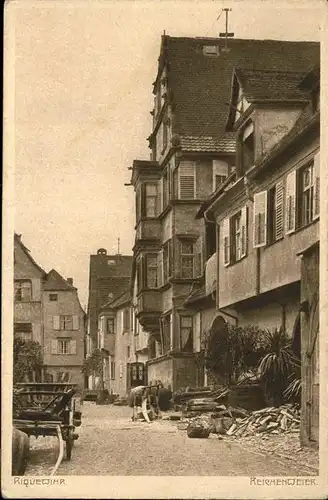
237 422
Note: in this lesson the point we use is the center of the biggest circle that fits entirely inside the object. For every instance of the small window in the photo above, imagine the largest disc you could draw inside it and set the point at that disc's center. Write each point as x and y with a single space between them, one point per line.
128 351
110 326
219 180
211 50
126 319
236 236
112 370
23 290
247 147
53 297
186 333
23 331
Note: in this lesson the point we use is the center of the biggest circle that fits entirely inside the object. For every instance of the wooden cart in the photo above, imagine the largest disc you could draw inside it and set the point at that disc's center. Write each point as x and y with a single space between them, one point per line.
48 409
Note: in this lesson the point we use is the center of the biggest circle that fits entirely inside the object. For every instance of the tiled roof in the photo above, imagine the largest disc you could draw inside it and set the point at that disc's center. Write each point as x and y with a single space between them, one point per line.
207 144
54 281
18 240
114 286
201 85
119 301
263 85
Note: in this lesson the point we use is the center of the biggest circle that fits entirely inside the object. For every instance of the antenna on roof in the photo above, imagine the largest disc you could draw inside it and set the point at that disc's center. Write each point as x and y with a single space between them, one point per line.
118 246
226 35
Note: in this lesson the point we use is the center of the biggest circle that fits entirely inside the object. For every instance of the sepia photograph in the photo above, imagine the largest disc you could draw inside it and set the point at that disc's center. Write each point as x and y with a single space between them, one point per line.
162 259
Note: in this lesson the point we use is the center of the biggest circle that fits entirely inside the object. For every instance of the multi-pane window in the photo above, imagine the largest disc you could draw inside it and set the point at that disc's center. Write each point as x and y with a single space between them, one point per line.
186 333
110 325
151 270
306 191
235 237
150 200
63 346
23 290
219 180
187 259
66 322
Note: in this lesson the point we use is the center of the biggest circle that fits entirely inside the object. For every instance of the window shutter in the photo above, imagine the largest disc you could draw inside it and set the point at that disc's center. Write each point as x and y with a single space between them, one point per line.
54 347
76 322
279 210
316 187
244 231
56 323
160 269
291 202
260 219
187 181
73 347
226 241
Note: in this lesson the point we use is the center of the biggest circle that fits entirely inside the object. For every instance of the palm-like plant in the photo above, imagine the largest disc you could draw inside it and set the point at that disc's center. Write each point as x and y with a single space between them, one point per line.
277 365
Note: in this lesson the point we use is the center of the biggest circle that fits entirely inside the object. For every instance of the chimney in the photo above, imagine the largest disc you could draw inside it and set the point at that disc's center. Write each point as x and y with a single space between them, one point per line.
70 281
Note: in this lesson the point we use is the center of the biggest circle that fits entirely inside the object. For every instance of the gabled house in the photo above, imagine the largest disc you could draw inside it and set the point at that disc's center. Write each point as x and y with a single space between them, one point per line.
192 156
116 340
28 285
64 330
109 276
268 215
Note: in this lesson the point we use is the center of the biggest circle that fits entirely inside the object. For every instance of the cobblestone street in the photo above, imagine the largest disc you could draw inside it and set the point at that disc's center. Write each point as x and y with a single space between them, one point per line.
111 444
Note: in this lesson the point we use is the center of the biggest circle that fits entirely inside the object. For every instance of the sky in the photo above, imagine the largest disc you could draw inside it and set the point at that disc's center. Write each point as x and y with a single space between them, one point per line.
83 74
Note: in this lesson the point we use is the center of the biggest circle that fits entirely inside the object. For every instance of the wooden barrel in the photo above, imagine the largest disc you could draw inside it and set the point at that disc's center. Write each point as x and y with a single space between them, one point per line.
20 452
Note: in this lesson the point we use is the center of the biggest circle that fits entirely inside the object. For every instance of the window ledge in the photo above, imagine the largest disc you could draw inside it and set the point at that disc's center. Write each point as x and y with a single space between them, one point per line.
231 264
299 229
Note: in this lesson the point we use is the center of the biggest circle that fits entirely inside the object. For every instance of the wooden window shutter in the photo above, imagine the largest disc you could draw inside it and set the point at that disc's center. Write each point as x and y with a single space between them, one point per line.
226 241
54 347
75 322
56 323
73 347
244 231
291 202
279 215
187 182
260 219
316 187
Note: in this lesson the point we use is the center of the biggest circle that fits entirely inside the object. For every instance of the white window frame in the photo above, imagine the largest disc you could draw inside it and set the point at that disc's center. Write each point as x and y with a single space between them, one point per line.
260 210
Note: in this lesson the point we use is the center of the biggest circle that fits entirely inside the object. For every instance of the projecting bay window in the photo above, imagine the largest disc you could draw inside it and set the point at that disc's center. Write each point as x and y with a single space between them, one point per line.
187 180
186 333
235 237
